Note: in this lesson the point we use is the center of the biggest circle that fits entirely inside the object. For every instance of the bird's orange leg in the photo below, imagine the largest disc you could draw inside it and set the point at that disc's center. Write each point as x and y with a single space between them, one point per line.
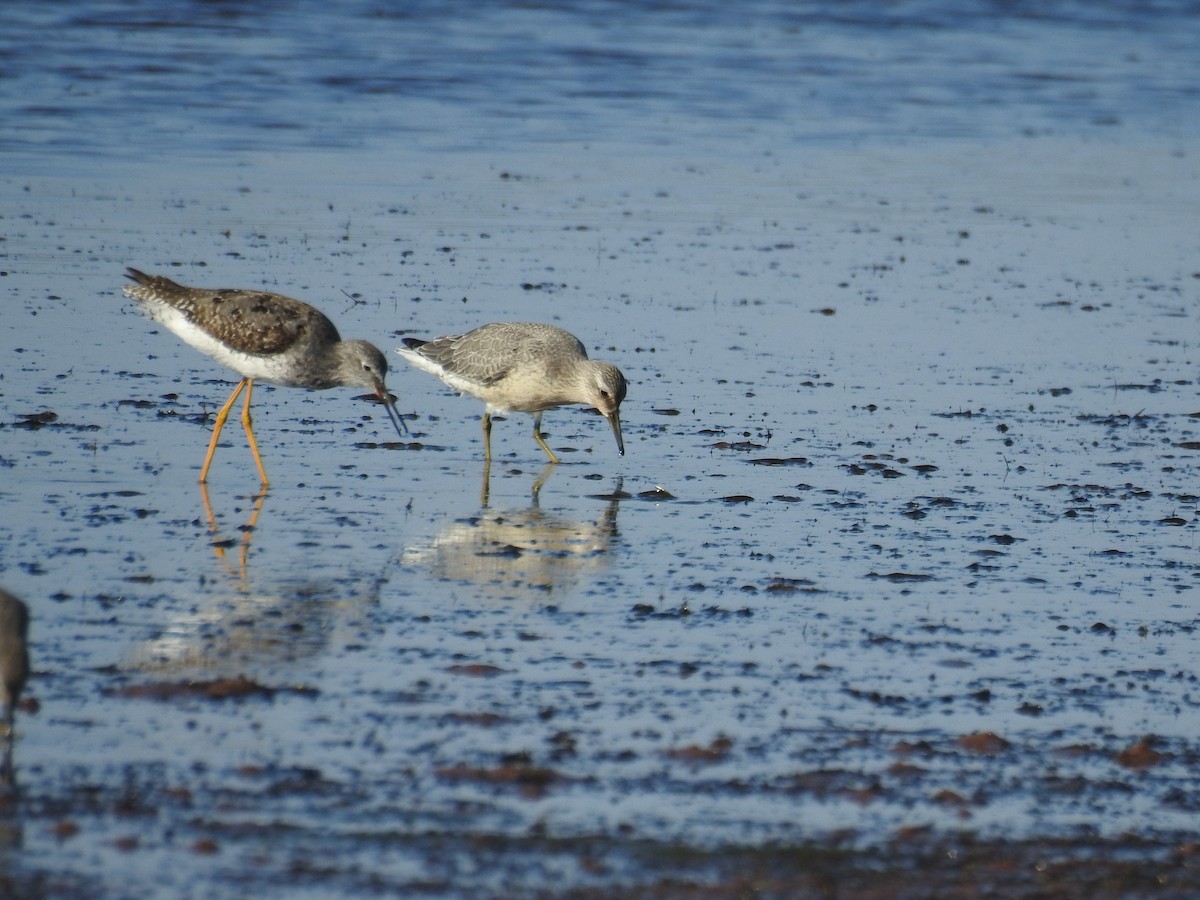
262 472
222 415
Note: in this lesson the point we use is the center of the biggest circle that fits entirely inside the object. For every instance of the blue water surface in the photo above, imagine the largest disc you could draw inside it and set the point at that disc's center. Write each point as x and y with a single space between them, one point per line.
201 80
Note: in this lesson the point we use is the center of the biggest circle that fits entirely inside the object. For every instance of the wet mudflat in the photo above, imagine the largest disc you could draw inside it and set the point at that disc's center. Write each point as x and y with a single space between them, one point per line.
900 556
892 593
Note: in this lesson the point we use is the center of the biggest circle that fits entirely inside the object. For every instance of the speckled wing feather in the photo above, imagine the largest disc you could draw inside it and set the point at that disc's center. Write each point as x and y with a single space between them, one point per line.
247 321
489 353
462 356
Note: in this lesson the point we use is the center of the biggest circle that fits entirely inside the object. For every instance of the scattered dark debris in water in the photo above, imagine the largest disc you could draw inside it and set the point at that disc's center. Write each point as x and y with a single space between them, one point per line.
482 720
988 553
1171 495
218 689
885 466
919 862
206 847
780 461
1003 539
1141 755
960 414
742 446
198 418
947 797
398 445
47 419
878 698
779 584
501 551
985 743
657 493
901 577
665 412
716 751
476 670
1154 387
1138 418
919 508
34 421
517 771
683 611
1081 495
737 498
1175 521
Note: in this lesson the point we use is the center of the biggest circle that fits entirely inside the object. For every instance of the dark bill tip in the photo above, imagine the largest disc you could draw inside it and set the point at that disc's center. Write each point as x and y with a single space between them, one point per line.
386 399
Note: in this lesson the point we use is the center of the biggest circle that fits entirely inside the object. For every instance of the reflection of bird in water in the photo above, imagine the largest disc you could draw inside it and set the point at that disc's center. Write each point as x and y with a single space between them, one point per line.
14 668
229 631
262 336
231 624
519 550
523 367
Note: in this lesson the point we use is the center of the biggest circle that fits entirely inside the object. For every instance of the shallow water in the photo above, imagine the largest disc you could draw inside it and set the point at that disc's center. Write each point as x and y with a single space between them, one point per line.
903 542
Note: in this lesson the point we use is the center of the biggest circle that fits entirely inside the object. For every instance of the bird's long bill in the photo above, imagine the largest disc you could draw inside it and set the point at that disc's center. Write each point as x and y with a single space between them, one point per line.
615 421
386 399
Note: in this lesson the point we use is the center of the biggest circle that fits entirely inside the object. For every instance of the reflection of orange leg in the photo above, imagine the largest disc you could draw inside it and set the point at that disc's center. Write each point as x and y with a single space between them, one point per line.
222 415
262 473
208 512
218 545
248 529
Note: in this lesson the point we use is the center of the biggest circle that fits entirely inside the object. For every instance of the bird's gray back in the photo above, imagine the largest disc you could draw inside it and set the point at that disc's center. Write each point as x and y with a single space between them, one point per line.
493 351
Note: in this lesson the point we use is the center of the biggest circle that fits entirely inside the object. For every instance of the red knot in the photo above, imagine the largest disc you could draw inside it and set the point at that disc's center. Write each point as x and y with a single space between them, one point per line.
522 367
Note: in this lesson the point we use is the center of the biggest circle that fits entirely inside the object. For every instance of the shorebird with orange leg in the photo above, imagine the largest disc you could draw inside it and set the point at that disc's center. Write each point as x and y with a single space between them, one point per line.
263 337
